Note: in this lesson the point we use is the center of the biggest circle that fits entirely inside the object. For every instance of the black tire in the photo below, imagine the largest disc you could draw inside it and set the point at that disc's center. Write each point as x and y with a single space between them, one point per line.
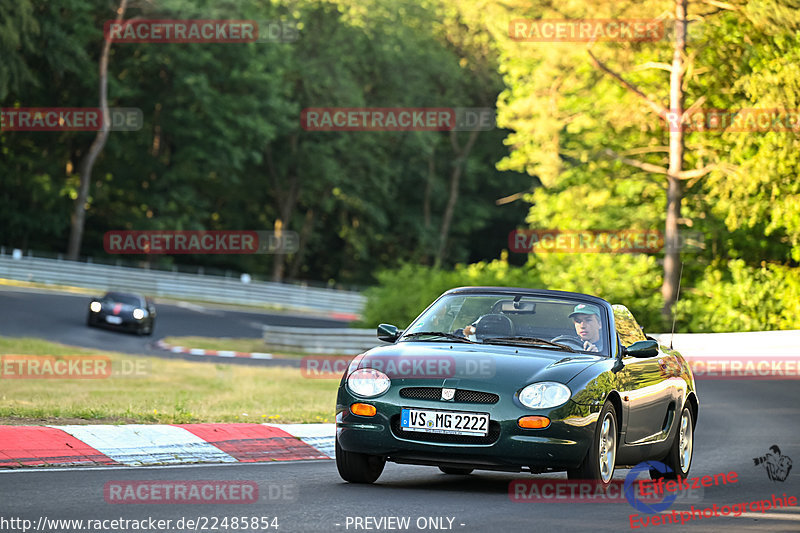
358 467
456 471
89 322
679 458
605 438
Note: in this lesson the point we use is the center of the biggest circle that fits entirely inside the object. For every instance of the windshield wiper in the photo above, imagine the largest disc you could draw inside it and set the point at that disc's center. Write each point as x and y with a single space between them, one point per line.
529 340
439 334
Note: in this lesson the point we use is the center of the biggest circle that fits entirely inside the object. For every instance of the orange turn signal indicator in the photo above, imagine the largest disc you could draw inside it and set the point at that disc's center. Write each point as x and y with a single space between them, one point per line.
533 422
363 409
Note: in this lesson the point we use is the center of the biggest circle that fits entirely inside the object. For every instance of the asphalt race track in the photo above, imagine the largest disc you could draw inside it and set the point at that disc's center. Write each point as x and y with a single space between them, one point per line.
739 420
61 317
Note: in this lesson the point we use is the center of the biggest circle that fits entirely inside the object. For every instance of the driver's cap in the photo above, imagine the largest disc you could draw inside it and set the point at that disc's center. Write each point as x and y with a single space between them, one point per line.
584 309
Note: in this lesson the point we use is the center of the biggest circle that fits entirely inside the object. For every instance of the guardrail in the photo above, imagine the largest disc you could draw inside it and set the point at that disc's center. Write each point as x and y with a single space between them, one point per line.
343 304
343 341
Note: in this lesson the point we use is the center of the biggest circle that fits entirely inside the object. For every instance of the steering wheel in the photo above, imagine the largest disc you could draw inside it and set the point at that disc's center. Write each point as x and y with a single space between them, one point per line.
493 325
569 339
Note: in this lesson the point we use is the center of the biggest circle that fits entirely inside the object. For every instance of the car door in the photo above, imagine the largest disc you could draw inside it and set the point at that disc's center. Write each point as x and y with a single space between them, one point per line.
645 390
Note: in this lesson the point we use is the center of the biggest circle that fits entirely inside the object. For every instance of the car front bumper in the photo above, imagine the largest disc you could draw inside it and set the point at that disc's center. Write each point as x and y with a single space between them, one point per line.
560 446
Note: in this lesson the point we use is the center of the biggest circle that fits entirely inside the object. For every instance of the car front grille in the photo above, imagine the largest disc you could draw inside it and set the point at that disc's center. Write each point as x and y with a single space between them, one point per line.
462 396
491 438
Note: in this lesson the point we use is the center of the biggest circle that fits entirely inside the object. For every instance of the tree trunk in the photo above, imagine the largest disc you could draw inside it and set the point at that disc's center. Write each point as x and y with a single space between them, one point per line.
460 160
427 240
308 224
287 200
672 259
78 220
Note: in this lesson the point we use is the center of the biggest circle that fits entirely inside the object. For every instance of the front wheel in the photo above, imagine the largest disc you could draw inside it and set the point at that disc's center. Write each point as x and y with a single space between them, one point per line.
679 459
598 465
358 467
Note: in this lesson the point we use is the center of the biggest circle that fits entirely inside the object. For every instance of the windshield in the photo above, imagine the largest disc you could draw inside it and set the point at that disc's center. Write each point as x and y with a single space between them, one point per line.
546 322
125 299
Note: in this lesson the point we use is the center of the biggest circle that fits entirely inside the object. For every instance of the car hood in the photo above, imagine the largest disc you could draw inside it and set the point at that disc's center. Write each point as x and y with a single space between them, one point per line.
465 365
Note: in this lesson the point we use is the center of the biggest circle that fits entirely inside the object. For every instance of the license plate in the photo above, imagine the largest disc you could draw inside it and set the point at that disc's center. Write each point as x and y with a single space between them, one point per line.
114 319
447 422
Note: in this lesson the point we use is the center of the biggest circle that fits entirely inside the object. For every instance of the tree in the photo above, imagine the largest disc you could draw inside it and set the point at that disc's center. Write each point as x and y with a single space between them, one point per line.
87 164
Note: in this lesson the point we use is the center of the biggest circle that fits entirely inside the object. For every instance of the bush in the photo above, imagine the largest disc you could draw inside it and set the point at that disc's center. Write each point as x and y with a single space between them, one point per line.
730 296
738 297
404 293
634 281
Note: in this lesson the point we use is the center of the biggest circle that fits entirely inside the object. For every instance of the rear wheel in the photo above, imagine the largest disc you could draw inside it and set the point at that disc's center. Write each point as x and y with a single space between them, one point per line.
600 460
358 467
679 459
456 471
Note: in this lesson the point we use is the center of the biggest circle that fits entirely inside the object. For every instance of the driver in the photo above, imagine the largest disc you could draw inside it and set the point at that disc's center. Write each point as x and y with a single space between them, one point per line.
587 325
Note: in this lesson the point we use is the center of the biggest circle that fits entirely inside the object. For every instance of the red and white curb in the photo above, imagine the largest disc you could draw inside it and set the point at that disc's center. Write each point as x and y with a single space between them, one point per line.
140 444
214 353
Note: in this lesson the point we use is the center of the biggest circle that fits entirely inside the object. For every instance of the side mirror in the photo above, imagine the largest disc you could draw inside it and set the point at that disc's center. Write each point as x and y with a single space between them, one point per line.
388 332
641 349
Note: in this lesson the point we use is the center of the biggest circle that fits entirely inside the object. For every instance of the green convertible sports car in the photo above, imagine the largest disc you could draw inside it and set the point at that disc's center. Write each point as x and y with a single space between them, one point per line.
516 380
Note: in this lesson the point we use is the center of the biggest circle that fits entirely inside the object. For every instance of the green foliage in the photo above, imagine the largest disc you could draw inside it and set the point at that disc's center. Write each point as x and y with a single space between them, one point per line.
403 293
633 280
738 297
222 146
18 27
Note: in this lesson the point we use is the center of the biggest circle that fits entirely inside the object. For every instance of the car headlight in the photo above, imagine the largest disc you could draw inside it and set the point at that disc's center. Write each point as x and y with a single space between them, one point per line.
544 395
368 382
138 314
95 307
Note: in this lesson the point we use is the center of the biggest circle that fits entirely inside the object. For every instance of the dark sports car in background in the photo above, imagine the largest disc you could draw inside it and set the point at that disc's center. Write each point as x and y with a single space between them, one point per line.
516 380
123 310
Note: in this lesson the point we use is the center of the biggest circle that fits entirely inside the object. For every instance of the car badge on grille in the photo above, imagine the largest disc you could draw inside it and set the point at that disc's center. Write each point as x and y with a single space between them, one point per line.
448 394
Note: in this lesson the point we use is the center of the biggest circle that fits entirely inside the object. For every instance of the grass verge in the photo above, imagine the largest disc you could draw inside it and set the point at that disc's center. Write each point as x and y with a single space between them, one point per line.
144 389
